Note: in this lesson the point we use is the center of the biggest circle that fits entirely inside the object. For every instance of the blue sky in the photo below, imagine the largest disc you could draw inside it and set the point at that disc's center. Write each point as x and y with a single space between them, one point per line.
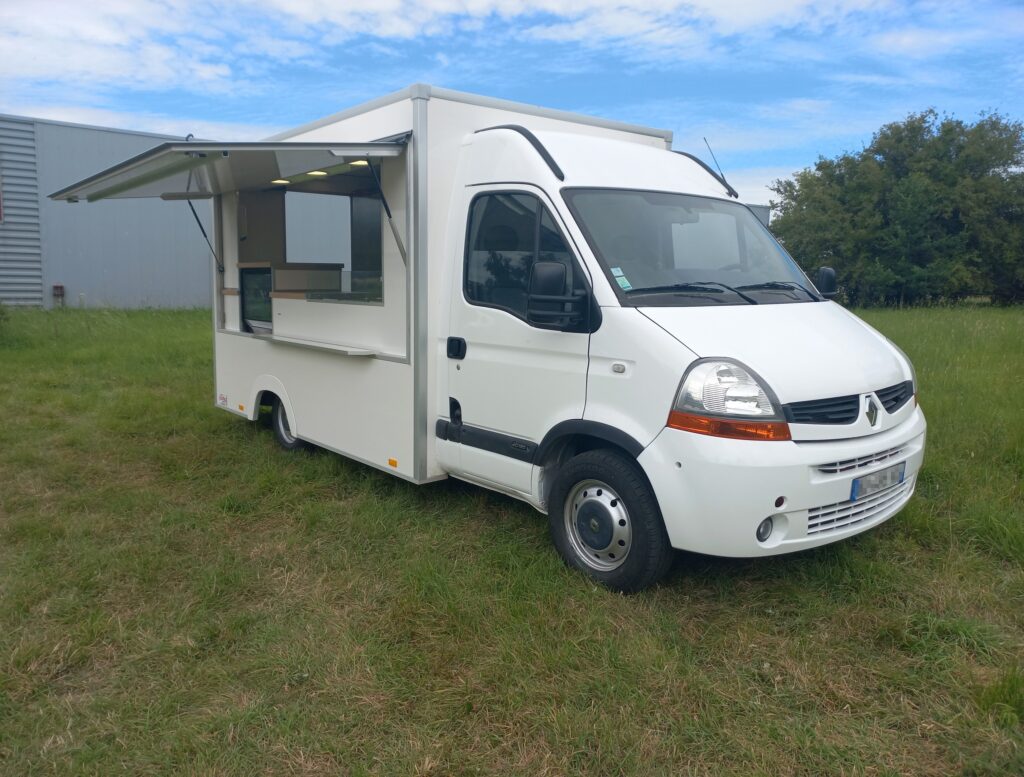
772 84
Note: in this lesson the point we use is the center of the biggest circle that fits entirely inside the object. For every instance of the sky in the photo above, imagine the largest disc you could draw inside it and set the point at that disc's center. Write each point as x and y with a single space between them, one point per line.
771 84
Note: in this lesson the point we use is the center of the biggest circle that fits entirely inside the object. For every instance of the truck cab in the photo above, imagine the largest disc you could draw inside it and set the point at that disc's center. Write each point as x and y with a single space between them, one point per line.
642 312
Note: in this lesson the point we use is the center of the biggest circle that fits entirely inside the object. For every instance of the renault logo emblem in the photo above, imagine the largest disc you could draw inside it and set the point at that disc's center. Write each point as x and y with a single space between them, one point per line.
871 412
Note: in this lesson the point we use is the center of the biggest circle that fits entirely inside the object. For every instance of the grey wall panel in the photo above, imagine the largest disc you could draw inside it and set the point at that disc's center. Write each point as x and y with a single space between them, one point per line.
21 276
120 253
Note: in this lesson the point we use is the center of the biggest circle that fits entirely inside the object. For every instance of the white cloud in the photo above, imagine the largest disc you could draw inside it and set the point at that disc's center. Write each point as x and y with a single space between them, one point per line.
924 42
199 44
133 43
945 27
642 29
91 57
803 107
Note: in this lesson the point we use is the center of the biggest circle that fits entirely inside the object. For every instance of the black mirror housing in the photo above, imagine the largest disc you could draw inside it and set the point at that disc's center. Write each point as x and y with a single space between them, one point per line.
547 279
549 304
826 282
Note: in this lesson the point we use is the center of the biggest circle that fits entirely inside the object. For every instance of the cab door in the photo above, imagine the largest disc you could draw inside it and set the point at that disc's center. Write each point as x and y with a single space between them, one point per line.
515 368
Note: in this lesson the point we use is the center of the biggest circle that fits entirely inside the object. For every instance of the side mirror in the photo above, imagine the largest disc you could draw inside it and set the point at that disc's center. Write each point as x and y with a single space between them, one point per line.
826 282
548 305
547 279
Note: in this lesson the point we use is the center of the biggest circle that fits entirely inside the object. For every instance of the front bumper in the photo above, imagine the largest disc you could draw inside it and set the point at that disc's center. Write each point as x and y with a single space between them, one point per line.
713 492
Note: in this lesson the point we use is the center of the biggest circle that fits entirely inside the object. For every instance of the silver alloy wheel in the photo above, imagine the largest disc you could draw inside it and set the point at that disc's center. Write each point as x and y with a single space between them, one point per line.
283 428
597 525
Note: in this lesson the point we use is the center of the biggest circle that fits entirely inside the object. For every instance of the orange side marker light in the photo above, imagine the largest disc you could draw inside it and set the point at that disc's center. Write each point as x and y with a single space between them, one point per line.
727 427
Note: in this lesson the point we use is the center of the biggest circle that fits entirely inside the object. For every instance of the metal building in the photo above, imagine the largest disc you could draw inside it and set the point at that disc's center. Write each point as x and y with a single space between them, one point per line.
117 253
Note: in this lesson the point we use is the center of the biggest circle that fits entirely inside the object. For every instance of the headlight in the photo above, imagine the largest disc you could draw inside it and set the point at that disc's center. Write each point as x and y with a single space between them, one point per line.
721 398
723 388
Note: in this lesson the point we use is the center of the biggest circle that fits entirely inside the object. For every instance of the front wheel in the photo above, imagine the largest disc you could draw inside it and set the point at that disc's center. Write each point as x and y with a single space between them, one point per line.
283 429
605 521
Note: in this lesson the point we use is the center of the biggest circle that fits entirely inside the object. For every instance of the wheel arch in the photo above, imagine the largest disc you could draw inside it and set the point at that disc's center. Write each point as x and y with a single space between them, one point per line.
570 438
268 384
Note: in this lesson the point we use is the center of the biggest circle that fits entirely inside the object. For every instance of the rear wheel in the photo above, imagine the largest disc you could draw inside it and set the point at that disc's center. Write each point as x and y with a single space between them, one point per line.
605 521
283 429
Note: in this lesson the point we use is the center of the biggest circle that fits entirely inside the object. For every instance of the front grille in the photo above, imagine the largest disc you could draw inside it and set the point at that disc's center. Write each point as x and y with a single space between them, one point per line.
846 465
837 410
895 397
844 410
842 515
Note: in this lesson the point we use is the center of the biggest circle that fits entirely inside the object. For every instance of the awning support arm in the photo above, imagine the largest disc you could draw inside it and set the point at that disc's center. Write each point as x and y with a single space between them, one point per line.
387 210
199 223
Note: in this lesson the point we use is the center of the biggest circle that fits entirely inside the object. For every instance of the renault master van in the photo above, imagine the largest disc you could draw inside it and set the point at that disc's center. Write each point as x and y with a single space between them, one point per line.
553 306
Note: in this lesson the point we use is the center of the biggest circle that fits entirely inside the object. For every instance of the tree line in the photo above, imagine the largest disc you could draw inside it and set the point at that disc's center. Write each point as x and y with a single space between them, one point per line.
931 210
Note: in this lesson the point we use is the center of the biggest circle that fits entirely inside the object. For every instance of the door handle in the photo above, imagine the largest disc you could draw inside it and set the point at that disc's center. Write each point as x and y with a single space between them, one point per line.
456 348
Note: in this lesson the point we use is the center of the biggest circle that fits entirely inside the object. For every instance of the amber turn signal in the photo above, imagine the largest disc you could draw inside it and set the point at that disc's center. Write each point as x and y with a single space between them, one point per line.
727 427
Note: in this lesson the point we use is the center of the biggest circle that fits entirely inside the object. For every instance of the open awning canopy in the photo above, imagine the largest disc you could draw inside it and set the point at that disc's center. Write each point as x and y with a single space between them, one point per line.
197 170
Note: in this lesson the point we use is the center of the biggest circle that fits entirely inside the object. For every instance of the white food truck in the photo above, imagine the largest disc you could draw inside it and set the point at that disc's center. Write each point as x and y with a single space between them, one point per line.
554 306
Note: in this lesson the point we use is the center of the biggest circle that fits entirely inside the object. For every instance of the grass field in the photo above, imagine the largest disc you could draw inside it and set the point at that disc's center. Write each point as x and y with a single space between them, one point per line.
177 595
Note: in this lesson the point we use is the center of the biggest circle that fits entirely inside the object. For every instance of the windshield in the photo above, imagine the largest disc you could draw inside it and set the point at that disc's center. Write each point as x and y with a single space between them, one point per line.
663 249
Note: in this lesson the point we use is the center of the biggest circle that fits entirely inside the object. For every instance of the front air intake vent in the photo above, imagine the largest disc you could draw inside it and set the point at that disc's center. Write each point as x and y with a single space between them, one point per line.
844 410
847 465
895 397
837 410
843 515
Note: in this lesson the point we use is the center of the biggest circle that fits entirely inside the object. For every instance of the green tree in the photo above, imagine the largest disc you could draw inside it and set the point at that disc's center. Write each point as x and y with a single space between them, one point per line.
932 208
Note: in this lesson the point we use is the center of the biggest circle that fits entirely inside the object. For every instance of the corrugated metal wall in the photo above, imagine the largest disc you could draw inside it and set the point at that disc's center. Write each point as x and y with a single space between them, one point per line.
21 265
119 253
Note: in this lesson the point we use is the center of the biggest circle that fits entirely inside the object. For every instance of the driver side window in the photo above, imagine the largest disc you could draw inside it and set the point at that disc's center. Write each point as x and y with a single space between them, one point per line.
507 233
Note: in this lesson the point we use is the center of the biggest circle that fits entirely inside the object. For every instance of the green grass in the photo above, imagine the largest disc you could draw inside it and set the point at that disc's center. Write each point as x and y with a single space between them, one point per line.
177 595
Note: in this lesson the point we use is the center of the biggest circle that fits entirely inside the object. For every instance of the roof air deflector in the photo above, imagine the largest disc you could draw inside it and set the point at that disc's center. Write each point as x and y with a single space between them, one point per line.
533 140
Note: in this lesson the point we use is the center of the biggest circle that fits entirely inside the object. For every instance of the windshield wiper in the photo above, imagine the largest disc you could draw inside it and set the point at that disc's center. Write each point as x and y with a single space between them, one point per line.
783 285
701 286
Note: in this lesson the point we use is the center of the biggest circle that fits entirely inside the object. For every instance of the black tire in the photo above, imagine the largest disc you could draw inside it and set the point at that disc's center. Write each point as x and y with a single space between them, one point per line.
605 521
282 429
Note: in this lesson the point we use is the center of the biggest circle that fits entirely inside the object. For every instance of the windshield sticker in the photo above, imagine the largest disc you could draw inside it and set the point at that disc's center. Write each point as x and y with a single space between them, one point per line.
617 272
623 283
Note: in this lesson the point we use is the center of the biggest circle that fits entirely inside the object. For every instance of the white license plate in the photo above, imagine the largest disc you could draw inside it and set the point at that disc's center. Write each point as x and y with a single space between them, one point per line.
877 481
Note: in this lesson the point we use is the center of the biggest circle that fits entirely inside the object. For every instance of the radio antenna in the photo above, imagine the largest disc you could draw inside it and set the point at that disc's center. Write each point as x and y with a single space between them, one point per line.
714 158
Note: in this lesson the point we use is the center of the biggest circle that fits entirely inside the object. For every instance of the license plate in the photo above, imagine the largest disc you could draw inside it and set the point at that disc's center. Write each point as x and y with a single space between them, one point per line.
877 481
